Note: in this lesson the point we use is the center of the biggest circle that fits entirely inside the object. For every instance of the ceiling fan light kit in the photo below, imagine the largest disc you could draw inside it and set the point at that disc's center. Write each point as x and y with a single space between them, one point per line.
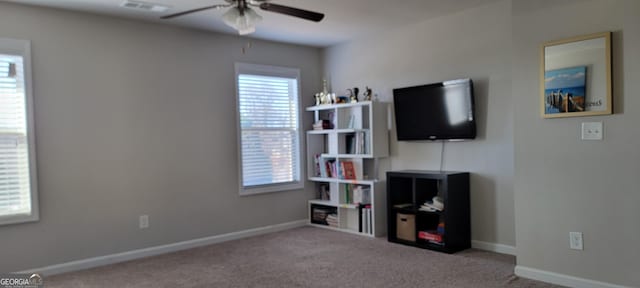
243 21
242 18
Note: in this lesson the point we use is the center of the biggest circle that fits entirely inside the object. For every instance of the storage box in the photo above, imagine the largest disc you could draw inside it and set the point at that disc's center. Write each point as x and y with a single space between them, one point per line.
406 227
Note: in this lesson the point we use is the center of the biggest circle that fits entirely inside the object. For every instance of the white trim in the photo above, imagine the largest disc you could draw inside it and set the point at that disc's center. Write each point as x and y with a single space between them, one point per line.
162 249
23 48
494 247
274 71
561 279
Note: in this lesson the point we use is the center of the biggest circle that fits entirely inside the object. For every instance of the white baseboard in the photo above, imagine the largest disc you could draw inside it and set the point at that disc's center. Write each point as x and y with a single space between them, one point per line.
494 247
162 249
561 279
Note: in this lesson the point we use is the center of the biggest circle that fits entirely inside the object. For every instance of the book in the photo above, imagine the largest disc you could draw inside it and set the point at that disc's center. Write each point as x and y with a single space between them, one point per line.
348 170
349 143
361 194
332 220
330 168
316 165
365 194
369 222
431 236
365 220
358 143
352 120
360 218
347 192
324 192
322 165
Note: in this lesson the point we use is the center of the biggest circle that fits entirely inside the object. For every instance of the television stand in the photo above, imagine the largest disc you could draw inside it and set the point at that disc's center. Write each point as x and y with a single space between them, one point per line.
413 220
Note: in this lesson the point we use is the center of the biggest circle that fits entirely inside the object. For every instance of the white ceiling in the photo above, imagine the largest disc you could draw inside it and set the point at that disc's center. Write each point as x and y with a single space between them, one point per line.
344 19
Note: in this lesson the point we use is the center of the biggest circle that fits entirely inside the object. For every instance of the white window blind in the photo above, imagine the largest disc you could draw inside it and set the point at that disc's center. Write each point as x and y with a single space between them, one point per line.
269 128
16 198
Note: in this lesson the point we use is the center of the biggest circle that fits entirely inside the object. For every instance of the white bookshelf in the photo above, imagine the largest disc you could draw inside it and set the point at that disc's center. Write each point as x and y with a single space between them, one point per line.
359 137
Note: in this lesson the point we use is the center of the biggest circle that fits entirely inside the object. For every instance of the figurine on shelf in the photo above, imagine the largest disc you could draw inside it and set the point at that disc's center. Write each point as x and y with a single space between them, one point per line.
324 97
353 98
355 93
367 94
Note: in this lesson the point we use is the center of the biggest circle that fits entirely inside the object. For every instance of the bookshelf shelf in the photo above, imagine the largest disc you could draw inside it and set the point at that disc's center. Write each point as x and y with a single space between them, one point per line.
343 164
357 181
321 132
343 105
330 131
321 202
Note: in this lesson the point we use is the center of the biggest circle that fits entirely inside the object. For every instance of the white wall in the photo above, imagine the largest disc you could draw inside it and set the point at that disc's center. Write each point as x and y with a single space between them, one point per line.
564 184
134 118
471 44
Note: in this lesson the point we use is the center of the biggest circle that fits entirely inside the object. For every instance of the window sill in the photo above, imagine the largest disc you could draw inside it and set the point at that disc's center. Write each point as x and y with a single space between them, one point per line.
18 219
248 191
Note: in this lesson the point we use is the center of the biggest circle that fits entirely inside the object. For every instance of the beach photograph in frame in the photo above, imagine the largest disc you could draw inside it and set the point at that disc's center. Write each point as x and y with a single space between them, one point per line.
568 64
565 90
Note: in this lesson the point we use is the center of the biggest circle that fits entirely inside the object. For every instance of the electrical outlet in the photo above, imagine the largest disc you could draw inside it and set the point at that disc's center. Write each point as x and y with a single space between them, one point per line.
592 131
575 240
143 221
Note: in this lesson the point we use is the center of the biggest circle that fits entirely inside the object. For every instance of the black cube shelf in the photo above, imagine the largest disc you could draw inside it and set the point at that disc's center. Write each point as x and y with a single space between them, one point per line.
408 190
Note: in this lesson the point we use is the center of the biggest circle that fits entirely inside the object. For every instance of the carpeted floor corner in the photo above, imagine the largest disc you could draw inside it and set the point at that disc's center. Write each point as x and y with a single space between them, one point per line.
305 257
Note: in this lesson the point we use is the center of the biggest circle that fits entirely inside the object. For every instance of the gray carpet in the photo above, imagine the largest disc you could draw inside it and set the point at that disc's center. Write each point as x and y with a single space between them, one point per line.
305 257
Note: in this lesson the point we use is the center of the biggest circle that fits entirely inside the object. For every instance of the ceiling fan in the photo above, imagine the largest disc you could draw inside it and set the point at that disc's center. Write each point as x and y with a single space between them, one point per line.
243 18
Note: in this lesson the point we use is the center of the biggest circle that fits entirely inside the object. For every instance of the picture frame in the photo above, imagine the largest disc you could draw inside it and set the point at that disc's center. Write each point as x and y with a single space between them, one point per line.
575 76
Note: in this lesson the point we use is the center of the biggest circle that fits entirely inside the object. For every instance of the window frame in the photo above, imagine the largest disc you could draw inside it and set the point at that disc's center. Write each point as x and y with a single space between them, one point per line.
274 71
23 48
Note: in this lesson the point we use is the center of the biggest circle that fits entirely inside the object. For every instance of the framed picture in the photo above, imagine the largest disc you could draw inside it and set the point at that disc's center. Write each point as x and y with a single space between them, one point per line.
564 90
575 76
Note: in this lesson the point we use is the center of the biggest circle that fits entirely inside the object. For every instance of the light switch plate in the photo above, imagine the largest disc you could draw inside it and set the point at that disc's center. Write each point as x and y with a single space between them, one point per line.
592 131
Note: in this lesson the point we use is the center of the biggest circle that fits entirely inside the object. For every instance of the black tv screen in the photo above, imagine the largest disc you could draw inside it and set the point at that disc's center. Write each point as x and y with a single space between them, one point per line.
435 111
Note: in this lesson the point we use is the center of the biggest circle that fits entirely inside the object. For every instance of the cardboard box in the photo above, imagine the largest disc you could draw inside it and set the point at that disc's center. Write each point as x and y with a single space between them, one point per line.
406 227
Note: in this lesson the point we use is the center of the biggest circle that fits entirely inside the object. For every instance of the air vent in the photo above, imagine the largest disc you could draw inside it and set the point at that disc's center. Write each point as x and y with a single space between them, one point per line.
145 6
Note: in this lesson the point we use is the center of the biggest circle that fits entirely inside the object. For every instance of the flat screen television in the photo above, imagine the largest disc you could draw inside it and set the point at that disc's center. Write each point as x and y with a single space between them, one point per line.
438 111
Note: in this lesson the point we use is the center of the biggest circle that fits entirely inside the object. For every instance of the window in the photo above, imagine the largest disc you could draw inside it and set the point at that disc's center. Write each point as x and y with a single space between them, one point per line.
269 128
18 197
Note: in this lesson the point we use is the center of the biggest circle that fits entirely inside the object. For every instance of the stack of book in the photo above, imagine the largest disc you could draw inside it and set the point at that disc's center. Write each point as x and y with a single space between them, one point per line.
319 216
332 220
436 204
433 236
322 125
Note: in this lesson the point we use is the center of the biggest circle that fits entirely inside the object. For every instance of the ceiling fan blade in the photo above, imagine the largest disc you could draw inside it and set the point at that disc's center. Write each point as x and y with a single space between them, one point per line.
304 14
194 10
